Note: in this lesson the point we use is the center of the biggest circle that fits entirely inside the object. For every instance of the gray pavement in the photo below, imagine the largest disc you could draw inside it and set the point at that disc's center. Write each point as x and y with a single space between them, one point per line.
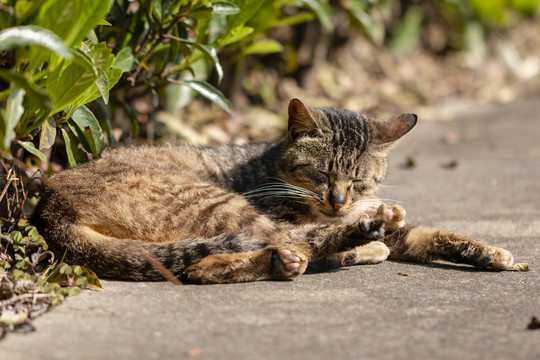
439 311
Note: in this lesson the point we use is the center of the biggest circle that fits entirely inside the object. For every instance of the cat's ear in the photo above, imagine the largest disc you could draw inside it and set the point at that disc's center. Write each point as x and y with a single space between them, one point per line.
390 130
301 121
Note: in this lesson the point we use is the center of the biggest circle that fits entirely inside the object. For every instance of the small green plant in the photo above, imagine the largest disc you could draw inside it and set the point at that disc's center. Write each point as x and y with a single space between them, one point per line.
31 280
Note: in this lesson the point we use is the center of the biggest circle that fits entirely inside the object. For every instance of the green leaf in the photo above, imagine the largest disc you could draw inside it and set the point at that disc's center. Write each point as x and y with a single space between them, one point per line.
249 9
92 281
88 129
264 47
16 236
201 12
224 8
323 11
490 11
408 32
12 115
209 52
33 35
77 270
104 22
157 10
76 81
73 20
528 7
210 92
48 134
102 84
29 146
82 58
124 60
65 88
102 56
65 269
294 19
113 75
32 232
236 34
37 95
372 26
75 155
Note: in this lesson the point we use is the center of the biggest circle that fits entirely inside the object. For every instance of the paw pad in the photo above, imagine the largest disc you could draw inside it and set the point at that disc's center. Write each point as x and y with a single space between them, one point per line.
288 263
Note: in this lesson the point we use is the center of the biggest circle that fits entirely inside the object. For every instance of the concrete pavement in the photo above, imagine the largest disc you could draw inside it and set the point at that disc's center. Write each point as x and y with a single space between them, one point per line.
491 191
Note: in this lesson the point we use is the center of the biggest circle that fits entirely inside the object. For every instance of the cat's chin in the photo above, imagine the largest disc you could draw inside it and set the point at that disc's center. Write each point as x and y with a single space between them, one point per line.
334 217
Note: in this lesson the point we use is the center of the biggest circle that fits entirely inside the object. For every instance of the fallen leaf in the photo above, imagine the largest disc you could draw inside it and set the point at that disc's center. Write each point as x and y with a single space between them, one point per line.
12 318
411 162
452 137
535 323
403 274
450 164
520 266
194 352
65 279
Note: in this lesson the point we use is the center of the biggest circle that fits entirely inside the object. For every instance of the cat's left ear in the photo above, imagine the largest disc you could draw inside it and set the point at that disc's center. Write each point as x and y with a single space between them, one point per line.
390 130
301 120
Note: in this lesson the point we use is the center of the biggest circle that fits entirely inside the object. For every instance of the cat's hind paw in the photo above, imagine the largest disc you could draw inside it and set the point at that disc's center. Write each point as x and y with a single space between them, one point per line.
502 259
287 263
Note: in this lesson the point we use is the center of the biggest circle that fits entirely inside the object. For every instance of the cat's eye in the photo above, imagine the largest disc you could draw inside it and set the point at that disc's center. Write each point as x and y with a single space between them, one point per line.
319 177
359 185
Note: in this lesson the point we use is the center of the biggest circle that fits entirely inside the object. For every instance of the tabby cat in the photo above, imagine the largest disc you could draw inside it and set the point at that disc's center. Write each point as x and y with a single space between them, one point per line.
242 213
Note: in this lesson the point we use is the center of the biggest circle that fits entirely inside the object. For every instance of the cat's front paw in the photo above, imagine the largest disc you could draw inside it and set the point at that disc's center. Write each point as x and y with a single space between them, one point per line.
394 217
386 220
498 258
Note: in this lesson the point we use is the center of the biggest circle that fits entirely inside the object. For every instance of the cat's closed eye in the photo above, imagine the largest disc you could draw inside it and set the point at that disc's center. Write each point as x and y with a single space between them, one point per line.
359 185
319 177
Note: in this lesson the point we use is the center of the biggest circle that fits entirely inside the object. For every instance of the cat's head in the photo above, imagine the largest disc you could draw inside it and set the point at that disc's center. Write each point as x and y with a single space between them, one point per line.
339 157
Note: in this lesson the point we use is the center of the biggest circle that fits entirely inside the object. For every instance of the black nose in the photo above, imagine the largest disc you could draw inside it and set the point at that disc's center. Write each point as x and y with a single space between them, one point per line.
337 200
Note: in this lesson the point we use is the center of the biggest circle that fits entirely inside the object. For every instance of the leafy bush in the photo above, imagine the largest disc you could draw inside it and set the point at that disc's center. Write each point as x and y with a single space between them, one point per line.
60 55
440 26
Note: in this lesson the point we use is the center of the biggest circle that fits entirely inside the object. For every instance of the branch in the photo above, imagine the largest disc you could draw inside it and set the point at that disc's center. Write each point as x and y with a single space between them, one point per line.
162 36
10 241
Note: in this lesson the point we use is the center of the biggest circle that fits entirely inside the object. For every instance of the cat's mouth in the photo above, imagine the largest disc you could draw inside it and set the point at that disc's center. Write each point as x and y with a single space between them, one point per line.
333 214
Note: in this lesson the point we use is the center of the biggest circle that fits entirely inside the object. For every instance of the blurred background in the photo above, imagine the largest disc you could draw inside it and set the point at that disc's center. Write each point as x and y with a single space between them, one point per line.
77 76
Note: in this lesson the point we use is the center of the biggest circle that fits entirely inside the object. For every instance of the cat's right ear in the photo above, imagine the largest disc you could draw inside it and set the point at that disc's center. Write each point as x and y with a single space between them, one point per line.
389 130
301 121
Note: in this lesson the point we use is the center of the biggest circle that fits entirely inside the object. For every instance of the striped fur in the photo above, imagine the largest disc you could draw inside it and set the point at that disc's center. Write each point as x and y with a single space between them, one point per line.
242 213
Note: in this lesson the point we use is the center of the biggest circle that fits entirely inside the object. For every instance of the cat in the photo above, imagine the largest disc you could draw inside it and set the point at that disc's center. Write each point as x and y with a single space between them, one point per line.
236 213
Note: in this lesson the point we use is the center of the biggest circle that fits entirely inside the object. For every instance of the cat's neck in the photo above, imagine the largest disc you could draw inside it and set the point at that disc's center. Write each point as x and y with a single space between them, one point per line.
242 168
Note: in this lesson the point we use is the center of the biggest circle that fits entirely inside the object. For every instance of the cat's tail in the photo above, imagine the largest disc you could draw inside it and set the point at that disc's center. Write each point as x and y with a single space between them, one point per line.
415 243
126 259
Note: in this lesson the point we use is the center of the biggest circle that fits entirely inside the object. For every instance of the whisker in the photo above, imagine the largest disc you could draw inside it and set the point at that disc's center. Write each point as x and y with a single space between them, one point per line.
282 194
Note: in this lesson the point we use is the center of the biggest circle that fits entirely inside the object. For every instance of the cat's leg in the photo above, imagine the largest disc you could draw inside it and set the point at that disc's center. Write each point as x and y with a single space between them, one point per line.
371 253
387 220
271 263
289 258
425 244
328 241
